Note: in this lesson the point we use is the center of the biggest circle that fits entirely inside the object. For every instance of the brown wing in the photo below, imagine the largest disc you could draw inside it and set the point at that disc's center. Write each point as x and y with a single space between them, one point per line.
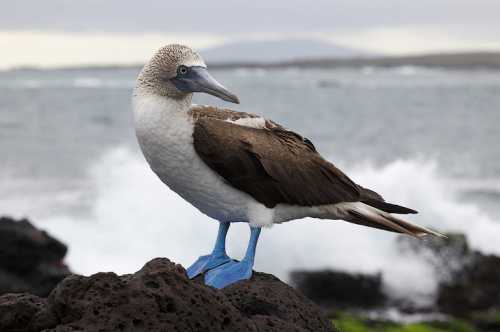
272 164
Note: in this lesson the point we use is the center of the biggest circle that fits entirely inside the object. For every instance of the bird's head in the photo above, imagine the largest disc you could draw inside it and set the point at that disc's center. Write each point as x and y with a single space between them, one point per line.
177 71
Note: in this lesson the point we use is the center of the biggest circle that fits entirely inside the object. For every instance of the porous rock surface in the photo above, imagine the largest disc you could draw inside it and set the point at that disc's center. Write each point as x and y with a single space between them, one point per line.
160 297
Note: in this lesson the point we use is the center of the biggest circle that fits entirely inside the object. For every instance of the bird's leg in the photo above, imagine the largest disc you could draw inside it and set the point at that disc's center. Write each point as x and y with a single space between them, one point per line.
216 258
233 271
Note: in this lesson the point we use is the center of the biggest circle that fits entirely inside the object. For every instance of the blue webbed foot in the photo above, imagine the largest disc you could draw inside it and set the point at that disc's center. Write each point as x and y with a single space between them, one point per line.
229 273
207 262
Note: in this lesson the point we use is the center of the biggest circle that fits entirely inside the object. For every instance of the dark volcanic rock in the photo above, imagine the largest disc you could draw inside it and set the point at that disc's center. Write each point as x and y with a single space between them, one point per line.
24 312
160 297
340 290
475 288
273 305
469 281
30 259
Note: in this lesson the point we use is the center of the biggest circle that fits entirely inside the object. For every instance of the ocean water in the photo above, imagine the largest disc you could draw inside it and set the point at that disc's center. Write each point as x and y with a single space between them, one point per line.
425 138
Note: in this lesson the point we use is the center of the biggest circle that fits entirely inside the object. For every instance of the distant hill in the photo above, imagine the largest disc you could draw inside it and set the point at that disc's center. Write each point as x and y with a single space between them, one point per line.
466 60
275 50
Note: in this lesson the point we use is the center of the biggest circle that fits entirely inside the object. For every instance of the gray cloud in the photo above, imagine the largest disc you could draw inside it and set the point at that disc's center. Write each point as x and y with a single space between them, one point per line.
245 17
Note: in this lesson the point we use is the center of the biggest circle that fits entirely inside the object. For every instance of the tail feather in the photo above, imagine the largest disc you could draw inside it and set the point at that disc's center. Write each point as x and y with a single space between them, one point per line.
377 221
388 207
419 230
361 213
374 199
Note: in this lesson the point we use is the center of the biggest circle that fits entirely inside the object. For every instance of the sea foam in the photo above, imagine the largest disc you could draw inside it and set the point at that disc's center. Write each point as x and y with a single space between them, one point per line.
134 218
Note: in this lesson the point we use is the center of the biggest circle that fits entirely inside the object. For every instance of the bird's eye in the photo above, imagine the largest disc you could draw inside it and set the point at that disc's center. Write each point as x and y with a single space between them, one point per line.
182 70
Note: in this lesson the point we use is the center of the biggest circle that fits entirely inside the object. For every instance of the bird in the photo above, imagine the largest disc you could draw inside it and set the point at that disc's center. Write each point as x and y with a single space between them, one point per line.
241 167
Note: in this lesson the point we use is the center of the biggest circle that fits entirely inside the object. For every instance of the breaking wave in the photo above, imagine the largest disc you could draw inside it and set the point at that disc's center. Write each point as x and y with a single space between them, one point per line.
134 218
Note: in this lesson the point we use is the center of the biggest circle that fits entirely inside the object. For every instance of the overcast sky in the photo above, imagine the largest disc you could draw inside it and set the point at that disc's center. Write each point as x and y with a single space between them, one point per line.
383 26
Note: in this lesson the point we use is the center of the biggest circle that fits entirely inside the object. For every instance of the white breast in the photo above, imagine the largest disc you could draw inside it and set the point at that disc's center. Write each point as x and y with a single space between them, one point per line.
164 130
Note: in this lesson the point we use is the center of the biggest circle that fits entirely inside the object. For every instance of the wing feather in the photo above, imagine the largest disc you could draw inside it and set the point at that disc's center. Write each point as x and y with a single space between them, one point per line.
273 165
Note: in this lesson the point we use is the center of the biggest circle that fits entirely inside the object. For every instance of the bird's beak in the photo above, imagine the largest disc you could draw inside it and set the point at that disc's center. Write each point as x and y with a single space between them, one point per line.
197 79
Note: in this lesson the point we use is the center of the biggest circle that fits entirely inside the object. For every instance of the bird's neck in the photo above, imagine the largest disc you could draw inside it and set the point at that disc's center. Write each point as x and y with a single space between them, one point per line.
160 120
147 103
177 105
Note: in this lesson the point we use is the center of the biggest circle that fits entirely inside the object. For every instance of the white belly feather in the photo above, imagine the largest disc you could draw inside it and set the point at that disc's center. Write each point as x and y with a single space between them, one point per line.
164 130
165 135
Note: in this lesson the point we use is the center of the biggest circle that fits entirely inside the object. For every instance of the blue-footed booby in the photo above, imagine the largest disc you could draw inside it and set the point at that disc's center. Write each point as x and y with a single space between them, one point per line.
240 167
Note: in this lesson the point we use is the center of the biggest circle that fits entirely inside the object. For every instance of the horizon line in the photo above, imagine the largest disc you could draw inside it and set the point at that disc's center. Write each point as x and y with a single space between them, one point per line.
438 60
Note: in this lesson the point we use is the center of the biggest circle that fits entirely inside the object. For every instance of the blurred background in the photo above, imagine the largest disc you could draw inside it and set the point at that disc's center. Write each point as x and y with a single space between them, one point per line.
403 96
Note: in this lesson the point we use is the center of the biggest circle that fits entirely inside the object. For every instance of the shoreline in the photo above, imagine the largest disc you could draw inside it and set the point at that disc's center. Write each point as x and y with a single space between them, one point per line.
464 61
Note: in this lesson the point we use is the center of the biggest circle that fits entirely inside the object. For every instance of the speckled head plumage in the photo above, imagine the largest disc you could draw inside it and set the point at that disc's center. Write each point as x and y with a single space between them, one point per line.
176 71
163 66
